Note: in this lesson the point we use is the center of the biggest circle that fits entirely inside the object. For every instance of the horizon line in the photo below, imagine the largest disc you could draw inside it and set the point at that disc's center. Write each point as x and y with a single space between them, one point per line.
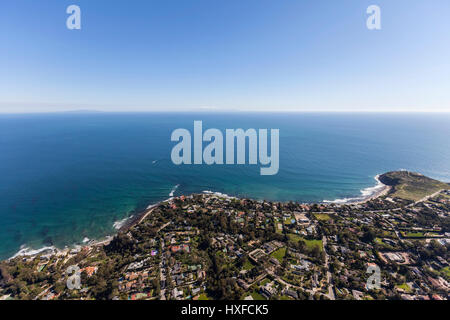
224 111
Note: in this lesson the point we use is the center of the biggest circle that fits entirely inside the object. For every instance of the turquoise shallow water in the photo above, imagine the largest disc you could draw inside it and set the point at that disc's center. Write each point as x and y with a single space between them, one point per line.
65 177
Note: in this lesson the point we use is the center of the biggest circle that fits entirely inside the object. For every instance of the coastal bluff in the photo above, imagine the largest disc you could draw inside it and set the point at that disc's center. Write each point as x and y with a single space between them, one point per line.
411 185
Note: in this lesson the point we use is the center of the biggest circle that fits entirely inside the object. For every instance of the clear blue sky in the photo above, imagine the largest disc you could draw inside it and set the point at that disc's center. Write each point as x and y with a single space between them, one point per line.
224 55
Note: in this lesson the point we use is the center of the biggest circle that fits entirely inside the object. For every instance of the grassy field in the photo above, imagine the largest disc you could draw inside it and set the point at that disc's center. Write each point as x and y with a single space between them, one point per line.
405 287
279 254
411 185
388 234
310 244
322 216
314 243
278 227
446 272
248 265
294 237
412 234
257 296
203 296
385 245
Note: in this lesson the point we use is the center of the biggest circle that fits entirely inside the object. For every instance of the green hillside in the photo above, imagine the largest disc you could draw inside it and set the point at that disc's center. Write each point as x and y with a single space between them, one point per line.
411 185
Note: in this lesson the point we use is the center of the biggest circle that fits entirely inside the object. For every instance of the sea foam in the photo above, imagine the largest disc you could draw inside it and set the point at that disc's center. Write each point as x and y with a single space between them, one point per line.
25 251
120 223
365 193
172 192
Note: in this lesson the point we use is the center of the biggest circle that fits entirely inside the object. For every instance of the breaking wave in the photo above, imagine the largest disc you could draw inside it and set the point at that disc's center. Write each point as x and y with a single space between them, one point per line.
219 194
25 251
366 193
120 223
173 190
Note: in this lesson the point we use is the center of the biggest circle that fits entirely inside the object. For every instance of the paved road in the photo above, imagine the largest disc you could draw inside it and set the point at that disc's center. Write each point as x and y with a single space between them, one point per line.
161 274
330 286
427 197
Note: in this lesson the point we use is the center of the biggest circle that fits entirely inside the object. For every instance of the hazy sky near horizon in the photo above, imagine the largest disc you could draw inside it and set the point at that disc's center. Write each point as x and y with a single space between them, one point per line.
290 55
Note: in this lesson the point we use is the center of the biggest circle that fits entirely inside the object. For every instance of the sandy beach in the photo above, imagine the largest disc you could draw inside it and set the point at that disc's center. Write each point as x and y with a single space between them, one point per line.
384 191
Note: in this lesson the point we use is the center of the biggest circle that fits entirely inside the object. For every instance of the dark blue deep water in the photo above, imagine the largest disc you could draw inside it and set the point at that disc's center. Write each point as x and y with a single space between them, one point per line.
65 177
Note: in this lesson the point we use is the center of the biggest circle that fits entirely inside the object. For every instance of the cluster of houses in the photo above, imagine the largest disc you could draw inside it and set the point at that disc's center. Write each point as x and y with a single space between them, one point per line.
293 250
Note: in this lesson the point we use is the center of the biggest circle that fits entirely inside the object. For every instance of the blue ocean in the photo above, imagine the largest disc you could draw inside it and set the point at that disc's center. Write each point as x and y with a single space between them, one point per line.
69 177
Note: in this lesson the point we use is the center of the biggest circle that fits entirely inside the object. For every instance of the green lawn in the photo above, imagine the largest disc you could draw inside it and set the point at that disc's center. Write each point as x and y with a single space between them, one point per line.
294 237
248 265
279 229
314 243
388 234
203 296
446 272
322 216
288 221
279 254
380 242
410 185
405 287
257 296
413 234
310 244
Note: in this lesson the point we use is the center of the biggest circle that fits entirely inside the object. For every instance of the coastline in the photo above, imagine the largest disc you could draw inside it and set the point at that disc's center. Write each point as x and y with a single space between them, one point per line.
367 194
380 193
140 253
126 223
